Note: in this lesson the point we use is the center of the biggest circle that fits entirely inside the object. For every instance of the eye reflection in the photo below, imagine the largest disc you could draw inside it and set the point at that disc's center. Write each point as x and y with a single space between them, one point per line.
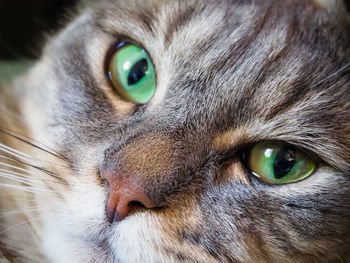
279 163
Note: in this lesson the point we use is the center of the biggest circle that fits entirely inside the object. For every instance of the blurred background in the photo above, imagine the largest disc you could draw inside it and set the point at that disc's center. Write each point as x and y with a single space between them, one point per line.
23 24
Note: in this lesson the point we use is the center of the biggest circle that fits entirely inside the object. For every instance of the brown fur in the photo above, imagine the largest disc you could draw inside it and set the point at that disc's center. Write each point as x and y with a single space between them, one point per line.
229 74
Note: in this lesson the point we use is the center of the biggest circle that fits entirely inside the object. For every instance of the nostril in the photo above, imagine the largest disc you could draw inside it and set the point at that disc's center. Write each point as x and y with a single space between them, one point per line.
135 205
120 205
124 197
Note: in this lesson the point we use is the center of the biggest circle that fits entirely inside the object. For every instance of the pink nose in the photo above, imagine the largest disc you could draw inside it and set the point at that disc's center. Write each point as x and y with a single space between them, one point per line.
125 195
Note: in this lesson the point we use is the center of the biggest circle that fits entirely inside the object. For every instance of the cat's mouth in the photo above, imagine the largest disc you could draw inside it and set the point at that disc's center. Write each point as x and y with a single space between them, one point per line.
145 235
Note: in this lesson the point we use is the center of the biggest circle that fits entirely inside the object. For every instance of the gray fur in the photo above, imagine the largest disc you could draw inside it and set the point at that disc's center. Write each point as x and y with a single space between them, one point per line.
244 70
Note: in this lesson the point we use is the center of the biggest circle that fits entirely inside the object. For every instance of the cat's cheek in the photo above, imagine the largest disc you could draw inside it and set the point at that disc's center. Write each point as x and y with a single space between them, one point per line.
61 248
76 225
146 237
80 213
135 234
312 210
85 209
323 178
78 209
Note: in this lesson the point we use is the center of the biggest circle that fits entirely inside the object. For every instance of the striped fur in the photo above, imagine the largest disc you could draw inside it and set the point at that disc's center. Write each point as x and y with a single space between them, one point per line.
229 73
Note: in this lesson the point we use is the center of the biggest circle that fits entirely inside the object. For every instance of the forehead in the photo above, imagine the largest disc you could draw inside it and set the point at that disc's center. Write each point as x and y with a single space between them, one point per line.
232 43
252 56
261 67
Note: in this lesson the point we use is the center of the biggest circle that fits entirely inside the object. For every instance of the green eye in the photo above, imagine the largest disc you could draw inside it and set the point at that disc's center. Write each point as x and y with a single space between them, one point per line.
278 163
132 74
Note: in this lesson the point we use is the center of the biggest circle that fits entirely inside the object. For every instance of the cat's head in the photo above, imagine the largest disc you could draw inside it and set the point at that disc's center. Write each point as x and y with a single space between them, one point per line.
177 174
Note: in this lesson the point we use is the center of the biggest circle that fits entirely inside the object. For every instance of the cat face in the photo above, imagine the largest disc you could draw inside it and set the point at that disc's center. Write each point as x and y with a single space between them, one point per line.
229 74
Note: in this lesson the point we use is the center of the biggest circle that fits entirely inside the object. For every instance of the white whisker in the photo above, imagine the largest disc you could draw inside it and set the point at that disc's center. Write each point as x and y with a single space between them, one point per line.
25 157
19 224
18 211
38 168
342 69
31 142
19 178
29 189
16 178
12 150
26 177
16 173
14 167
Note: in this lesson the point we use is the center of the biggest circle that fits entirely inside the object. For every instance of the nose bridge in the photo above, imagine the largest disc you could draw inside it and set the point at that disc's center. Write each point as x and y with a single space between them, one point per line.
148 155
156 151
149 169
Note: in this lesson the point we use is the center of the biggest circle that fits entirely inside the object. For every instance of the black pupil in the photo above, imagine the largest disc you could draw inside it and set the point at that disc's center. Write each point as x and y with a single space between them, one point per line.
137 72
284 162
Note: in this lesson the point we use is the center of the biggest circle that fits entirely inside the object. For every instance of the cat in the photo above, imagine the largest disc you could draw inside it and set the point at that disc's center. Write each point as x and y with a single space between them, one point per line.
181 131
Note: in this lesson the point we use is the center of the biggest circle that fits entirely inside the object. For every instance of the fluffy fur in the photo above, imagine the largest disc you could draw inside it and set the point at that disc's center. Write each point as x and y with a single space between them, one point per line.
229 73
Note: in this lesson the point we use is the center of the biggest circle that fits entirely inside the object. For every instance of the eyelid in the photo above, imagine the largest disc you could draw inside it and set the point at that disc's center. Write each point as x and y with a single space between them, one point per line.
242 152
246 146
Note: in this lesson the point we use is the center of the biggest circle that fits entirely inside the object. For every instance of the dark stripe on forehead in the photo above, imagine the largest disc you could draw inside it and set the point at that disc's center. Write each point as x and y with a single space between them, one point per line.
241 103
178 22
297 93
301 89
147 19
136 14
237 49
248 104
